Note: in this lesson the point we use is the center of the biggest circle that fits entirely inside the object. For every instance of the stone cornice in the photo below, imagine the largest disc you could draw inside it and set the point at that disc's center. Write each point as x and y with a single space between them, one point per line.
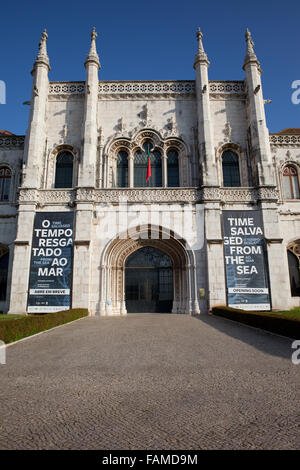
148 195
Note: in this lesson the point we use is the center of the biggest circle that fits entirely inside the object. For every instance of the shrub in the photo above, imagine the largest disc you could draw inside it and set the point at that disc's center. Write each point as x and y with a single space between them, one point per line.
273 322
12 330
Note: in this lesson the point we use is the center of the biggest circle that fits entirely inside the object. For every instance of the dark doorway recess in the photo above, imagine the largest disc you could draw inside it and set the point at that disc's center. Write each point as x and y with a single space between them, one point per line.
148 282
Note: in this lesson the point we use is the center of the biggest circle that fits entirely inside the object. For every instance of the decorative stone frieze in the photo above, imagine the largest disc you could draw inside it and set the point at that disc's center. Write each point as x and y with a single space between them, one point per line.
66 88
148 195
155 195
239 195
113 89
220 90
12 141
282 140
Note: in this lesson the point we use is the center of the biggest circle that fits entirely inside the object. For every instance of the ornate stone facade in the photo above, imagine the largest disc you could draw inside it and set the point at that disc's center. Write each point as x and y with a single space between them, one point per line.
97 123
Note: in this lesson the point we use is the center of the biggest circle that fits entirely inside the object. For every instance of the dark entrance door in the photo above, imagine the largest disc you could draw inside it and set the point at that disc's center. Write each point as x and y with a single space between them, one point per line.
148 282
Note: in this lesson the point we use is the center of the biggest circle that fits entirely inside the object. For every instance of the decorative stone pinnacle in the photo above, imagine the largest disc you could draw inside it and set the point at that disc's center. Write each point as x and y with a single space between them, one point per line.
250 43
42 56
250 53
201 55
94 34
199 37
93 55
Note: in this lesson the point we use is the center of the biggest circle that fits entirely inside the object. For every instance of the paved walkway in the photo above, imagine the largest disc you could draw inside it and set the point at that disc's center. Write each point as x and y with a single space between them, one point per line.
150 382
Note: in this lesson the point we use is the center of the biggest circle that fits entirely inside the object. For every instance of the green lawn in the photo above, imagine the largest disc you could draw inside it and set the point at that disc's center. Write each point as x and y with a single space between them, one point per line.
293 314
10 317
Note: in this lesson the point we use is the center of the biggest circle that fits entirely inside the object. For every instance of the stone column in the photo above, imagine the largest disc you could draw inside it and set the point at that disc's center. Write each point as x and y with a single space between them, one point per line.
130 170
215 256
36 133
277 257
260 142
87 176
196 309
21 260
82 256
205 128
164 170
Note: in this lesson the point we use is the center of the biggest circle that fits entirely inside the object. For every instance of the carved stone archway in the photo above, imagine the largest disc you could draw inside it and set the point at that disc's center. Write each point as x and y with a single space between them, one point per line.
112 289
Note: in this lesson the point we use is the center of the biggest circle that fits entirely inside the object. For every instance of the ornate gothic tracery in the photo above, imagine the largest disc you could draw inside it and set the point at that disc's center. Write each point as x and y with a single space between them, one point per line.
135 145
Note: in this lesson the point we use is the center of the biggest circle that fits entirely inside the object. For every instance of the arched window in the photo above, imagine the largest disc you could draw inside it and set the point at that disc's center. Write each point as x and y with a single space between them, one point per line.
290 182
231 170
64 170
122 169
141 166
5 179
294 274
173 168
4 256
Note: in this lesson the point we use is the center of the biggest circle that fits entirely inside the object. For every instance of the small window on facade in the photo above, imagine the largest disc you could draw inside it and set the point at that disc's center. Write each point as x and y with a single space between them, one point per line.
173 168
64 170
141 166
122 169
290 182
5 179
231 170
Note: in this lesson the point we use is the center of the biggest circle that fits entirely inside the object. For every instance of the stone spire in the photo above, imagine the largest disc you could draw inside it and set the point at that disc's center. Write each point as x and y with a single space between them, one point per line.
250 57
42 56
200 55
93 55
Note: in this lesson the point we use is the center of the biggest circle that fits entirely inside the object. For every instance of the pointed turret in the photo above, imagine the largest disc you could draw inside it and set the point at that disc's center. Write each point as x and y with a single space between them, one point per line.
42 56
36 136
34 162
93 55
260 145
250 57
205 128
201 54
87 175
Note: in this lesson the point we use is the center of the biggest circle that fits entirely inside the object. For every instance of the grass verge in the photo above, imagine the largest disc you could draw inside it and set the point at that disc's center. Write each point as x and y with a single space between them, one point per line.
14 329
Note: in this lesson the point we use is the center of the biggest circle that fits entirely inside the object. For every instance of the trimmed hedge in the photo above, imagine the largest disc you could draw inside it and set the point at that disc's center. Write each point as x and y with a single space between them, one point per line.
275 323
12 330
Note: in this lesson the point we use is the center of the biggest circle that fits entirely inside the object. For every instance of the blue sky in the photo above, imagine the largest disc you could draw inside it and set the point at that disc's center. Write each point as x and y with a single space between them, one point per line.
151 41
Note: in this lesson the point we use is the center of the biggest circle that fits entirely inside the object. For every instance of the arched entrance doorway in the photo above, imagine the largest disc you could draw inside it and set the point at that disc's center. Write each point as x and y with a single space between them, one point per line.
113 270
148 281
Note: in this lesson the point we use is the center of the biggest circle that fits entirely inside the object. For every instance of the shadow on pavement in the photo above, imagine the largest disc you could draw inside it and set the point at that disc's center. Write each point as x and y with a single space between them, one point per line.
263 340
